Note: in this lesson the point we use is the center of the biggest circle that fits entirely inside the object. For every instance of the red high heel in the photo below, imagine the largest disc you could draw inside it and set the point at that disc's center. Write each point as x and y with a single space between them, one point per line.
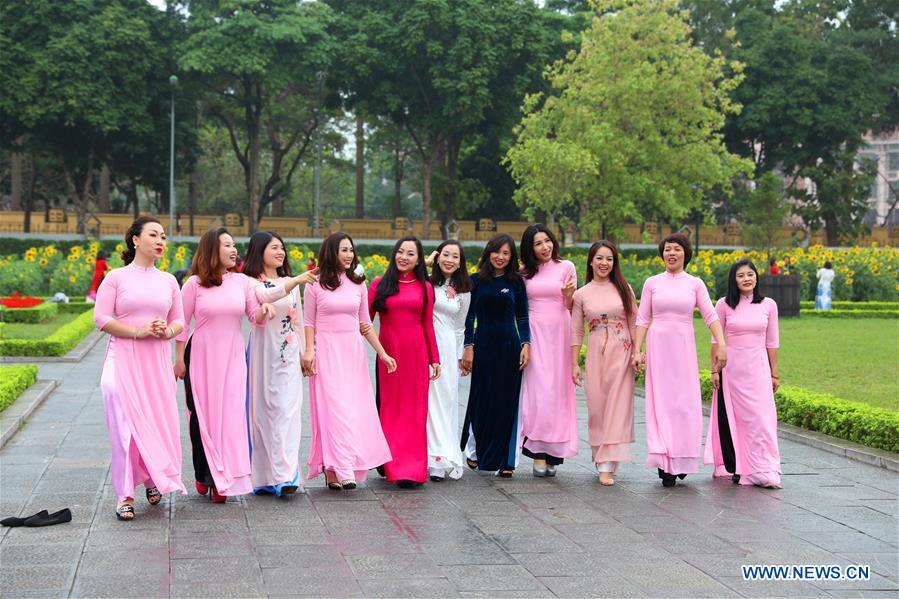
216 498
201 488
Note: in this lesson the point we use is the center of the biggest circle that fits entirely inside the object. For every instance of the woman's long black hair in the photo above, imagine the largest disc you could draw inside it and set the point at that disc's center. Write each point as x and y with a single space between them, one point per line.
529 261
389 285
136 228
615 276
328 267
733 290
485 269
460 280
254 262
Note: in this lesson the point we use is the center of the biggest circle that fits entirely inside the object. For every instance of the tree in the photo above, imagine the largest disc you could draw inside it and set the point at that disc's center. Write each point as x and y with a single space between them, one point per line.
765 211
634 125
263 63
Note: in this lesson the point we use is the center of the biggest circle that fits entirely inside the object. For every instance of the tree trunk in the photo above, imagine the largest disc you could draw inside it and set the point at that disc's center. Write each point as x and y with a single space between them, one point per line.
426 194
278 206
360 166
103 195
398 174
831 231
253 118
193 187
15 176
29 200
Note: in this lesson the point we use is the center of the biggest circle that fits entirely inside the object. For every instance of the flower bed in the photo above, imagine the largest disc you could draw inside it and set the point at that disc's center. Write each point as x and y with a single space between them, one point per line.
57 343
14 380
39 313
856 422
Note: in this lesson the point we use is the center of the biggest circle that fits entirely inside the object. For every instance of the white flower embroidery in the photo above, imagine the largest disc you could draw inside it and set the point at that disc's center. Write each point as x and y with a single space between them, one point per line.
504 290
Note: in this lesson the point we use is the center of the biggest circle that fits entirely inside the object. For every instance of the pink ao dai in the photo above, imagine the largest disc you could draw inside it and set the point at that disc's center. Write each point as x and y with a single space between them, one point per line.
609 376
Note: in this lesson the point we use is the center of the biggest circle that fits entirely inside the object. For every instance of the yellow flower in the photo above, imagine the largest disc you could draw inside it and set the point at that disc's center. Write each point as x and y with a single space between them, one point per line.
72 278
43 262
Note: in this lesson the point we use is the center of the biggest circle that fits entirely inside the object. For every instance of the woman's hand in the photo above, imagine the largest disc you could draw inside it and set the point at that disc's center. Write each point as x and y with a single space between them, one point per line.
435 372
307 362
462 371
716 381
775 382
310 276
576 375
365 328
180 369
429 261
389 362
637 361
525 356
720 356
568 291
267 311
159 328
467 360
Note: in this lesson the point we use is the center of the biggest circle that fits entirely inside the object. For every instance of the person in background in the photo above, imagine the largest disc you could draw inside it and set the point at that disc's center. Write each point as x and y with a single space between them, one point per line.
787 267
742 432
310 264
824 293
772 267
101 267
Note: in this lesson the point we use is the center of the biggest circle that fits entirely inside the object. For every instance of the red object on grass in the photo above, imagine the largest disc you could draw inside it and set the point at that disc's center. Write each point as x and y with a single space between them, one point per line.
17 300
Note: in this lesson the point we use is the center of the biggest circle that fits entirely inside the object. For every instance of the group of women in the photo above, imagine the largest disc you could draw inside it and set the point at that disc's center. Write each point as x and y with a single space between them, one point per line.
516 328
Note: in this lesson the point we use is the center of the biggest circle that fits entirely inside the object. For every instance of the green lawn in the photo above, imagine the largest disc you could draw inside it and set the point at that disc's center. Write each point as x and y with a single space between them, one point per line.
19 330
855 359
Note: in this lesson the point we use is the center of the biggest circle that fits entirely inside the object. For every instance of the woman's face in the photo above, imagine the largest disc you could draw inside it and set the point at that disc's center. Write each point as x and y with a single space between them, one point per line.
500 259
274 254
449 259
151 241
746 279
406 257
543 247
602 264
345 254
227 251
673 257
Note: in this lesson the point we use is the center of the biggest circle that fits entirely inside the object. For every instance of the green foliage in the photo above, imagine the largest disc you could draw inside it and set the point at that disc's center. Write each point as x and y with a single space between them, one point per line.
856 422
837 313
39 313
765 211
633 128
57 343
858 306
21 276
14 380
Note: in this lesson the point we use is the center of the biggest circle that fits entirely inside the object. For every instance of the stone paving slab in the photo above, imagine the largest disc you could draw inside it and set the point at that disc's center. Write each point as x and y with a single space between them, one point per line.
476 537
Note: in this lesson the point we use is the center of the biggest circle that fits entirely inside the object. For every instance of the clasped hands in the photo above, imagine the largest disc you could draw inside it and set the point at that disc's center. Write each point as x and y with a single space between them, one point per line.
158 327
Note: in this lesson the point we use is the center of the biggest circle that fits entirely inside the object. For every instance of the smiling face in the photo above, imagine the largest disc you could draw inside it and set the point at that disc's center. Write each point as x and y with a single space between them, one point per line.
449 260
602 264
151 241
227 252
345 255
500 259
746 280
274 254
543 247
406 257
673 257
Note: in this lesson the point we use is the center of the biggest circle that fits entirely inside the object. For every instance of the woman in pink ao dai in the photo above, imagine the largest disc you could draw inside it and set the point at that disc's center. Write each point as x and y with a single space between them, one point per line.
606 305
742 435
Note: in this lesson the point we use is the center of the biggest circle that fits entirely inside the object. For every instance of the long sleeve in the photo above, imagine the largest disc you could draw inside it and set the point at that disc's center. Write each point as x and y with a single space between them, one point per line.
310 301
704 302
188 301
521 313
372 290
644 313
577 320
269 295
632 319
364 306
472 311
251 300
459 323
104 308
176 311
772 333
721 309
427 323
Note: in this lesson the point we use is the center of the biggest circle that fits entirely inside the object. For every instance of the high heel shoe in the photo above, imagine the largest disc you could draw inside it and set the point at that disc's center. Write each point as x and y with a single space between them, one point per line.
539 472
348 485
334 485
218 498
550 470
201 488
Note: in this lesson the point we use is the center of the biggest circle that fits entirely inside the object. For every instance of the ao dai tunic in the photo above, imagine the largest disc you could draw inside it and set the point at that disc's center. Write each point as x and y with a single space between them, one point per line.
500 309
407 334
346 432
450 310
673 400
548 408
750 330
609 375
276 393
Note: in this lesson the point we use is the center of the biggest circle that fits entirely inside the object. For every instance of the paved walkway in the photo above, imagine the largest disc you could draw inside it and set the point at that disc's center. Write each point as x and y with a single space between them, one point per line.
479 536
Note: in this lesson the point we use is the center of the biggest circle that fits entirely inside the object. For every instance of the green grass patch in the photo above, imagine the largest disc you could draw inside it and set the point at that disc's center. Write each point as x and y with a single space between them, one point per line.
38 330
56 343
39 313
850 359
13 382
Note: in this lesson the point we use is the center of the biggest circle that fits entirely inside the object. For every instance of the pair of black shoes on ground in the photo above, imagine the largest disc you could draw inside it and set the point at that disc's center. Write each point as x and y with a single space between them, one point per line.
42 518
668 479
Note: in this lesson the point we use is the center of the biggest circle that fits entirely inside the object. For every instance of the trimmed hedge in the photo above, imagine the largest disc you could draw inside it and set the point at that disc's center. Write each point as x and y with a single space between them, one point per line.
873 306
2 324
38 313
13 382
849 314
57 343
853 421
74 307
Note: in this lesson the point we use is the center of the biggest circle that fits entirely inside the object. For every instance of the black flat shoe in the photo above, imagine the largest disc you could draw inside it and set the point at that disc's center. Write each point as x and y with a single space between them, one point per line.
288 490
505 473
682 476
153 496
60 517
437 479
381 472
471 464
668 480
735 479
13 522
407 484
